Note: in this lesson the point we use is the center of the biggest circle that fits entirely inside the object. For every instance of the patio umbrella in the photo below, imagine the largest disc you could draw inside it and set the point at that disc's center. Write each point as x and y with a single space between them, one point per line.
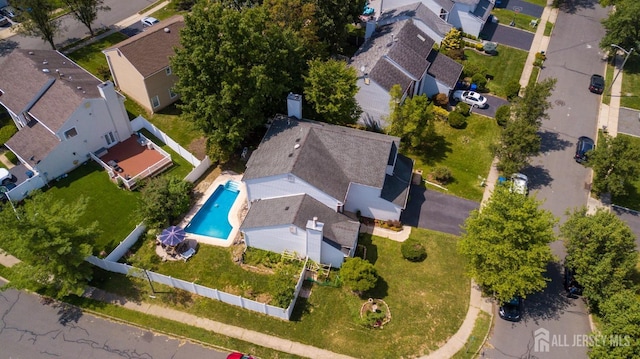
172 236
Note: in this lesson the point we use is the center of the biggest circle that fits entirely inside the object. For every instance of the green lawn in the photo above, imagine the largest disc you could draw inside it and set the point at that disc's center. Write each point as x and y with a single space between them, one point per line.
542 3
428 302
522 21
548 28
91 58
630 96
632 199
467 152
534 76
608 78
505 67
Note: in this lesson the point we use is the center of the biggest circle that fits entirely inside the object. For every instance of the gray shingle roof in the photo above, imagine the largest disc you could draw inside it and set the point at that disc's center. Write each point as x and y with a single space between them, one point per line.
329 157
419 11
149 51
444 69
386 75
446 4
24 75
338 230
483 9
396 187
32 141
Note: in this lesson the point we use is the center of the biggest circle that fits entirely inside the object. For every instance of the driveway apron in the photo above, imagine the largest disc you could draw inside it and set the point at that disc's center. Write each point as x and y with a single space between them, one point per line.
507 35
436 211
526 8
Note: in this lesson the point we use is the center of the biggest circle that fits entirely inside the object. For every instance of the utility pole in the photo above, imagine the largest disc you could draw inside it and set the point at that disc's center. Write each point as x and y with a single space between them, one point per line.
628 53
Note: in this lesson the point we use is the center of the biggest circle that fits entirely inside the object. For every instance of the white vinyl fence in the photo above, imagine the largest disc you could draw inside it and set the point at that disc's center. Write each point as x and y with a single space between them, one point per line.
124 246
198 289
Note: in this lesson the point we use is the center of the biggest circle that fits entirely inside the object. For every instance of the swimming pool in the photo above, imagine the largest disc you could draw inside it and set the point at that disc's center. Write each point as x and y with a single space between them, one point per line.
212 219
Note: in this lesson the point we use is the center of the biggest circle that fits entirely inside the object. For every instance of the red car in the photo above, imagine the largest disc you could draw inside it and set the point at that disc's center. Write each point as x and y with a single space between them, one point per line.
239 356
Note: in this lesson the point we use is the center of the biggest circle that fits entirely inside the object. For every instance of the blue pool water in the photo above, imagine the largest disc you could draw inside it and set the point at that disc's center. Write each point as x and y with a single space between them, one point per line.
212 219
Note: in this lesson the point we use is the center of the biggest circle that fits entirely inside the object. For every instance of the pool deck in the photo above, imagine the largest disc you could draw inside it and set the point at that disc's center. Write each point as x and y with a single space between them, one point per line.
234 218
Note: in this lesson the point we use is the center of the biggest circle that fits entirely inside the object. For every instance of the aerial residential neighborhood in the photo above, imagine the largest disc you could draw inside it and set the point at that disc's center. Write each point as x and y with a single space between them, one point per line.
337 179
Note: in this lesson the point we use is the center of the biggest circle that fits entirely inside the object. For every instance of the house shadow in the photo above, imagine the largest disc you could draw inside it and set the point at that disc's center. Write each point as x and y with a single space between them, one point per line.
411 214
366 249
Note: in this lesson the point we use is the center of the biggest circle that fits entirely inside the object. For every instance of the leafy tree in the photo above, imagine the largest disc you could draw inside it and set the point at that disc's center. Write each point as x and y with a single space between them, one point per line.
39 21
412 120
332 17
358 274
452 40
300 17
622 27
48 237
282 285
86 11
507 244
231 85
519 140
601 251
615 165
164 199
503 114
512 89
457 119
331 88
620 315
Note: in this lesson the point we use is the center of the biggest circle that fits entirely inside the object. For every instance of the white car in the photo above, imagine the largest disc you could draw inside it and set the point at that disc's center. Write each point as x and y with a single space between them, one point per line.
149 21
471 98
519 183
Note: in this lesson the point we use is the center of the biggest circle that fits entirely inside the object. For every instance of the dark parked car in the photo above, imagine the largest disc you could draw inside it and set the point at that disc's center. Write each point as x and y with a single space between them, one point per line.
585 144
571 285
9 12
597 84
511 310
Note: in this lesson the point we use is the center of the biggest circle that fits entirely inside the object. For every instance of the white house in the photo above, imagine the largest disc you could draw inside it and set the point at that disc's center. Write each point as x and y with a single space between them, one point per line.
62 112
400 53
326 170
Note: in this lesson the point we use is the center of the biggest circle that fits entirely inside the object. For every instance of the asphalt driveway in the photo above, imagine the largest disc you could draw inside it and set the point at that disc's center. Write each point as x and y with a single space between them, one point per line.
523 7
493 102
629 121
436 211
507 35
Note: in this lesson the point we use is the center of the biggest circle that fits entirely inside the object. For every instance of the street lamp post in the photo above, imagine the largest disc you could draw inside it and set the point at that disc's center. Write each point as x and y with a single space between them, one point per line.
623 62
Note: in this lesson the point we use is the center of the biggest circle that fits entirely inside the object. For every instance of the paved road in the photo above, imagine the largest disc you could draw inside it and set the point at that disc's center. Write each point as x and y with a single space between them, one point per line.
30 329
74 30
631 218
437 211
573 55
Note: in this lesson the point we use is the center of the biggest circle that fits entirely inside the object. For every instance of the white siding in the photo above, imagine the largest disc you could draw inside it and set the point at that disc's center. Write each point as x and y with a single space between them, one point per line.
277 239
314 241
433 6
470 23
431 86
281 186
331 255
373 99
367 200
427 30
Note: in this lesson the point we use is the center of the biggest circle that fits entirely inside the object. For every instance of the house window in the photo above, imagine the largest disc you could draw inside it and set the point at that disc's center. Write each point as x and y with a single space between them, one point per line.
168 70
70 133
443 14
110 138
172 94
155 101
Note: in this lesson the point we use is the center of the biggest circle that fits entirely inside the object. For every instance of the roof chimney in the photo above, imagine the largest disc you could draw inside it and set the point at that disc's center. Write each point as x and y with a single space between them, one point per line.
315 222
294 105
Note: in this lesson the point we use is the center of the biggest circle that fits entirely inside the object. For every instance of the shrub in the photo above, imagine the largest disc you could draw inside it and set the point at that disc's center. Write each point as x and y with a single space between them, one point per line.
439 113
412 250
479 46
480 80
503 113
463 108
103 72
457 120
441 100
456 54
540 56
442 174
358 274
282 285
512 89
471 69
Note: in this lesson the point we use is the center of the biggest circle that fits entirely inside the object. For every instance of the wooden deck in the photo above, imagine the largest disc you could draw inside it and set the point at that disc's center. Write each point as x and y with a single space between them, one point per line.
132 157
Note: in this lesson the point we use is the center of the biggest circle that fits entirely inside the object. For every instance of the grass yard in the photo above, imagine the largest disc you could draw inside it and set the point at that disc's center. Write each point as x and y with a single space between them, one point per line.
467 152
548 28
608 78
181 167
522 21
542 3
428 302
91 58
112 207
534 76
630 96
504 68
632 199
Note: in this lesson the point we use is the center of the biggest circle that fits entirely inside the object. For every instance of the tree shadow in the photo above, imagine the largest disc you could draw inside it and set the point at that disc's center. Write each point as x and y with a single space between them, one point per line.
436 152
68 313
572 6
381 290
366 248
7 46
538 176
552 301
551 141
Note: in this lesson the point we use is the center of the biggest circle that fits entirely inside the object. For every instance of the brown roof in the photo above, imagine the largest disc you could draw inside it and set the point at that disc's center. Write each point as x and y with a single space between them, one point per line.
33 142
25 80
150 50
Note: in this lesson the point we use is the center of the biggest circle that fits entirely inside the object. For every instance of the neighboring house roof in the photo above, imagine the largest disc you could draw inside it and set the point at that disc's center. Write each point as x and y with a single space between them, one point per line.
444 69
329 157
483 9
446 4
338 230
402 45
46 84
418 11
149 51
